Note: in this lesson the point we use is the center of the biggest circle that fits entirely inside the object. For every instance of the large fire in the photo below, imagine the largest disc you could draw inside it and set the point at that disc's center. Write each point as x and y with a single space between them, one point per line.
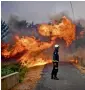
30 50
65 30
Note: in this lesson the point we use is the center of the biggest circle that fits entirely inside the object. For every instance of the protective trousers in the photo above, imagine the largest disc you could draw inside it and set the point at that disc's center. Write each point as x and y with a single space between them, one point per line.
54 70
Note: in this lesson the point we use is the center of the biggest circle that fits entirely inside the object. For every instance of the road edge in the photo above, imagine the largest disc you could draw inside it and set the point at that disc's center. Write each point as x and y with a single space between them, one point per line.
80 68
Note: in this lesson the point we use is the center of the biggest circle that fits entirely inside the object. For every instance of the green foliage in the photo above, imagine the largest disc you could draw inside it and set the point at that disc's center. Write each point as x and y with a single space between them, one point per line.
8 69
22 73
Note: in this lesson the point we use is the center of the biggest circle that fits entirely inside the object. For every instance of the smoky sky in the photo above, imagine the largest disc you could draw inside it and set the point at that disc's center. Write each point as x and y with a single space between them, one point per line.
42 11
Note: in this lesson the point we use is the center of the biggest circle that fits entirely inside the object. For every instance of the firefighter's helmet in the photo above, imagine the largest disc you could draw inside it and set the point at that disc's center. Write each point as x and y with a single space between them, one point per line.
56 46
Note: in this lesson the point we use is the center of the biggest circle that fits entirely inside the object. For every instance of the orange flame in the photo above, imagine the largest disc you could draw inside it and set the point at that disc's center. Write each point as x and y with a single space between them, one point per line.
74 61
33 49
32 46
65 30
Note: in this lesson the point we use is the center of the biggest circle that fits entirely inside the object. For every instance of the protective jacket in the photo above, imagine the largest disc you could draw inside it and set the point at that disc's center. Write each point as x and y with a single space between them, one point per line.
55 56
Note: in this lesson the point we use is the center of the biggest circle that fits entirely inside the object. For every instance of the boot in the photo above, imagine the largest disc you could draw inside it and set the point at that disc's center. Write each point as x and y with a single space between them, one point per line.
56 78
51 76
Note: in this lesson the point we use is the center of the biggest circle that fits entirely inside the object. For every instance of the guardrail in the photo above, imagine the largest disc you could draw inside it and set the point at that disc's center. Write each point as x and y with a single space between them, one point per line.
9 81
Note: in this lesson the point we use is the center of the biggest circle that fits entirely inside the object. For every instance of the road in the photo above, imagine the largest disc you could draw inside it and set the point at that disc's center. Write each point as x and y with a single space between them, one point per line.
70 78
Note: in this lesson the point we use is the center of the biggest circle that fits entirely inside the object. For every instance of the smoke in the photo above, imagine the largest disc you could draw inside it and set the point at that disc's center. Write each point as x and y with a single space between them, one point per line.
17 26
23 28
59 16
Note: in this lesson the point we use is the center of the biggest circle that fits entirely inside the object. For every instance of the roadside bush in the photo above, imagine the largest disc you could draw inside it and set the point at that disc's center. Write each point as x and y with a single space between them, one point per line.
22 73
8 69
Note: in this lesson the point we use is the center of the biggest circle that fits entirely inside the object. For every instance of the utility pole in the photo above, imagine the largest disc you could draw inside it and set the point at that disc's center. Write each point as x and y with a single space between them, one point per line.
72 11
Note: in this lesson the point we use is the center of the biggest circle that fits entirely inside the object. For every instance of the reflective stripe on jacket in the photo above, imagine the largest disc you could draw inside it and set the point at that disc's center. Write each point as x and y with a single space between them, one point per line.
55 60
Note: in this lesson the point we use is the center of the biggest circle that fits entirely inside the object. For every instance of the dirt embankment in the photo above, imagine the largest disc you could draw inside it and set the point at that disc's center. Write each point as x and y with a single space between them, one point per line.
30 80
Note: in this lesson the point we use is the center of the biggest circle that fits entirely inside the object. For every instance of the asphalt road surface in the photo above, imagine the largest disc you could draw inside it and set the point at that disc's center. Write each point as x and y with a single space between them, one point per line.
70 78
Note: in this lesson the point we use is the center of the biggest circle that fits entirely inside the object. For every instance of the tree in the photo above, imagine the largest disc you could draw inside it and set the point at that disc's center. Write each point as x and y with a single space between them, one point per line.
4 29
80 41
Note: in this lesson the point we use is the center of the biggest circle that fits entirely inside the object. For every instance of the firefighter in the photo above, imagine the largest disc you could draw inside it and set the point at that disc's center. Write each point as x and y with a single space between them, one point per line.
55 63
